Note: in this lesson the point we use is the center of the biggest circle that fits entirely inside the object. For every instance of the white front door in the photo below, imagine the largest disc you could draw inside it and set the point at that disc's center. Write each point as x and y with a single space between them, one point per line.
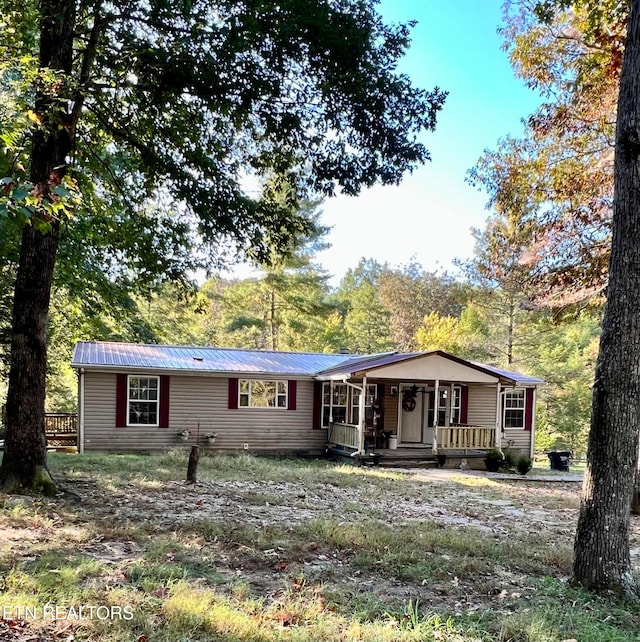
414 430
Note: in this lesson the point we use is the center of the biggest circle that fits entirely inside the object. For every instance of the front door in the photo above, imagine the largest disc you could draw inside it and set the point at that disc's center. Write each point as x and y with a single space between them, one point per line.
414 430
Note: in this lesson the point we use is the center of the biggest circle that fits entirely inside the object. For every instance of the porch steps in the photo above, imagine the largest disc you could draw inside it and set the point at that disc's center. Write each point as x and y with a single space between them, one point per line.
384 457
407 458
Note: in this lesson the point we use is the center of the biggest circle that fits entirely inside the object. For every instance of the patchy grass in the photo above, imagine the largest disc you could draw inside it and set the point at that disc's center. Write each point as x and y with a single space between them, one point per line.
296 551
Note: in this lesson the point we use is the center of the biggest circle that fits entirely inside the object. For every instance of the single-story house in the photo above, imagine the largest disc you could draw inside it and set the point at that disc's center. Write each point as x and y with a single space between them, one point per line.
153 397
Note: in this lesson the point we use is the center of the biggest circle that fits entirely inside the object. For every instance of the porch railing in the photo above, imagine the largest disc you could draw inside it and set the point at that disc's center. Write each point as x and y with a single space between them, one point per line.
344 435
467 437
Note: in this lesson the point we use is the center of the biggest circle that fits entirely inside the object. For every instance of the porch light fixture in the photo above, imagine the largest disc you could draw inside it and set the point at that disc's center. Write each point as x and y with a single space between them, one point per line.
394 391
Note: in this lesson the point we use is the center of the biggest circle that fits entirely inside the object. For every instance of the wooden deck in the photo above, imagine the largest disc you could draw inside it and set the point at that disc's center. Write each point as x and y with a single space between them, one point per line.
61 429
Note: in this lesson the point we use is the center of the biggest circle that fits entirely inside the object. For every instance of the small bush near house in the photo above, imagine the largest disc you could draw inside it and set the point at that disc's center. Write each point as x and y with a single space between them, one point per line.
494 460
509 459
523 465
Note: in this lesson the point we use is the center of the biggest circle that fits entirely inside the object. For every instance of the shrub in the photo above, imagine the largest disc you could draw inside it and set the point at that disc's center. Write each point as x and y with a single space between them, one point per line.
494 460
509 459
524 464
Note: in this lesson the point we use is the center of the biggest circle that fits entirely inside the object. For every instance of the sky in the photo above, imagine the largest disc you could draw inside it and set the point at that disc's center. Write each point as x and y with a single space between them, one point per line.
430 215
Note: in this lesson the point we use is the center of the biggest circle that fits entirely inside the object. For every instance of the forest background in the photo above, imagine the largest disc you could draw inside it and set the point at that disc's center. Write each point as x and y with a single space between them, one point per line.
529 299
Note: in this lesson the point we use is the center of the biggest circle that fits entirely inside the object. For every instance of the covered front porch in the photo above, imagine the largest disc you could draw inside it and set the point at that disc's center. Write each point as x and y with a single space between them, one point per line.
370 438
428 404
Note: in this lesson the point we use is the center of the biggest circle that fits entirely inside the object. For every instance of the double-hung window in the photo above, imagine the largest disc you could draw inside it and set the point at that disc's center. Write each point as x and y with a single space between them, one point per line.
455 408
258 393
345 405
143 401
514 406
369 397
336 406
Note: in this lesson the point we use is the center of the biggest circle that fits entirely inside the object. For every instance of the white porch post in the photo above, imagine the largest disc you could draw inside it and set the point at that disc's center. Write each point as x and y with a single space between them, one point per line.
498 439
436 407
361 407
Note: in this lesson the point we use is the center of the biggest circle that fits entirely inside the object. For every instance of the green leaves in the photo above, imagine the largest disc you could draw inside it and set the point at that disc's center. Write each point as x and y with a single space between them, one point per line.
24 204
557 180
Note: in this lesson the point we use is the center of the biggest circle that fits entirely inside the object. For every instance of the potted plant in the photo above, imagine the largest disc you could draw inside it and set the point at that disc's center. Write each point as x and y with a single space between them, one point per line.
211 438
184 435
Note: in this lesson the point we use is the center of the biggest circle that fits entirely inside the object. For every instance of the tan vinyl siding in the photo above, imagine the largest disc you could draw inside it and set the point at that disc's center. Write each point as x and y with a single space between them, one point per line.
390 409
482 406
201 401
517 439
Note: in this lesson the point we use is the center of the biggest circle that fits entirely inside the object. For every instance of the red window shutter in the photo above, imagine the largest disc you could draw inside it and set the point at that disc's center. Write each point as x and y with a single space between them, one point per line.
317 405
528 409
233 393
293 393
121 400
464 404
164 401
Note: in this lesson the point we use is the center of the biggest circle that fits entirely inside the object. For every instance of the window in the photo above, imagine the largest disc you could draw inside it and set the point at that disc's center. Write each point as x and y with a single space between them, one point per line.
368 402
346 402
142 401
514 403
340 398
456 405
255 393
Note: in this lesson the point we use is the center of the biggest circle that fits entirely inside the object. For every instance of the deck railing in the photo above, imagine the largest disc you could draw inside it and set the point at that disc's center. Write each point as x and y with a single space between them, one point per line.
467 437
344 435
61 429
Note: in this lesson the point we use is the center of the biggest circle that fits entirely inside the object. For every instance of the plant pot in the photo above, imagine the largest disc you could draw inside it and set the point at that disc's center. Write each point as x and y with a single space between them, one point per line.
211 440
184 437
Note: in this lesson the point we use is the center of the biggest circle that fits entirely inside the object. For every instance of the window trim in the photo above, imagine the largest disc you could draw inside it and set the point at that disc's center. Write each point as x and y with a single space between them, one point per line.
522 392
276 382
129 400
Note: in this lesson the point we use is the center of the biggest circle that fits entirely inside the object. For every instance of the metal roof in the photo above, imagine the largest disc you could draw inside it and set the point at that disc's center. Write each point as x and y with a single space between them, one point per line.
516 376
373 362
369 362
115 355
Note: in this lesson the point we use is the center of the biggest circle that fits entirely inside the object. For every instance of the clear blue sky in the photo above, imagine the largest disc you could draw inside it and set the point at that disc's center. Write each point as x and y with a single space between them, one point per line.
429 216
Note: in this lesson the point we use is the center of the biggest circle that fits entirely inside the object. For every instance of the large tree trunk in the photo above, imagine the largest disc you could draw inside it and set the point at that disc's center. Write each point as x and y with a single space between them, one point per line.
635 502
24 461
602 560
25 452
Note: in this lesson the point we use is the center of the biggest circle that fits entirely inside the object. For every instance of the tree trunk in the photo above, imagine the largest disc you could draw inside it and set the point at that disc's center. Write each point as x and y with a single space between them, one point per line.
24 462
602 560
635 501
511 323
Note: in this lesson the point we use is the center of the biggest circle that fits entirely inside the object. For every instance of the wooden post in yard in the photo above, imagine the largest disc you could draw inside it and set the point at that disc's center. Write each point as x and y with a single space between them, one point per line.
192 468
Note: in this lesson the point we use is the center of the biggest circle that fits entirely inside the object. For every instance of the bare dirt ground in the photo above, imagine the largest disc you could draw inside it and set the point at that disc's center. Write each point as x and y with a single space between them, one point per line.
94 520
497 506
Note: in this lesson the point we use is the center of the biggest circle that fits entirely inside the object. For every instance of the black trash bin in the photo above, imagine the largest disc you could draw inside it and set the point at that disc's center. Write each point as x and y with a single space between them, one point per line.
559 459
